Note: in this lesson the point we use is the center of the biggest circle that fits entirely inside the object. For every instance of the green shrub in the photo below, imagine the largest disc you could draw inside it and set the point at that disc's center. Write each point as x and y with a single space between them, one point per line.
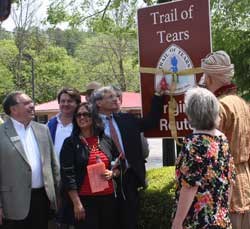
156 202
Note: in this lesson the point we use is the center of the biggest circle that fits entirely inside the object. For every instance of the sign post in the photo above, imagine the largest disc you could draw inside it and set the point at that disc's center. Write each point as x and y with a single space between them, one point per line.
173 37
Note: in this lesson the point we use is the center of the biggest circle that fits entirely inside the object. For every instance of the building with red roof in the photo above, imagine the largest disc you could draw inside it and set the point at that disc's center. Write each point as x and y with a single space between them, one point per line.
131 102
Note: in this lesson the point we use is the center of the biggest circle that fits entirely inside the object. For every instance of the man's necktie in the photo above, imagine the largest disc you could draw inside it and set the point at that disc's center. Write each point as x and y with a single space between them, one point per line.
114 136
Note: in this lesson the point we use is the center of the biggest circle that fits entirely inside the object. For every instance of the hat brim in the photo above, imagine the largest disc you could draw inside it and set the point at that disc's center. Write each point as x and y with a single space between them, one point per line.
89 91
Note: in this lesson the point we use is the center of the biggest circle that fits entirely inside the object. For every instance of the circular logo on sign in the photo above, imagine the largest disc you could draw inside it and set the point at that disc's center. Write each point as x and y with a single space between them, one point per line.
175 59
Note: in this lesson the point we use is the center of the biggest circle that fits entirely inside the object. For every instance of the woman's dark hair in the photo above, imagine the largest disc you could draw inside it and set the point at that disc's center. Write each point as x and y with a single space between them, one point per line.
98 126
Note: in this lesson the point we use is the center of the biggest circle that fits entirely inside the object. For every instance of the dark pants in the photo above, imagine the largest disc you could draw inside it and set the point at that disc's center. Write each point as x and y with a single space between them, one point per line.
100 212
127 209
37 217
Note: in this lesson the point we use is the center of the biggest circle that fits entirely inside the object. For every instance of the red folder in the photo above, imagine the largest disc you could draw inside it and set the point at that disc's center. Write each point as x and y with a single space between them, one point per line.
96 179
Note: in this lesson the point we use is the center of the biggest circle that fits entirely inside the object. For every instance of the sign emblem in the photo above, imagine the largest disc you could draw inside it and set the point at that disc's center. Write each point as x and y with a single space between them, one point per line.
174 59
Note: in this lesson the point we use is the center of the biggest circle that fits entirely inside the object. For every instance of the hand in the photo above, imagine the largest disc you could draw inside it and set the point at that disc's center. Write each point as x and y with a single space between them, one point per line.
108 174
159 91
1 216
79 212
116 172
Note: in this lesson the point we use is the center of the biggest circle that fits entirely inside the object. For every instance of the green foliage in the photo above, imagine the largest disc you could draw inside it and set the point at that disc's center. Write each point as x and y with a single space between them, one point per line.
56 13
102 25
8 50
36 39
107 59
230 30
157 200
4 35
6 80
55 69
69 39
108 52
78 13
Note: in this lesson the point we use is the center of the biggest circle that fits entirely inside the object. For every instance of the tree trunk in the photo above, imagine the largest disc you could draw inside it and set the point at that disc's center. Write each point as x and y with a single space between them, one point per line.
122 76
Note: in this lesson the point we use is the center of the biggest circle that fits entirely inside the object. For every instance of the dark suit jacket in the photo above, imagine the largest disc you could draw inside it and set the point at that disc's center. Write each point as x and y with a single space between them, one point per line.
130 128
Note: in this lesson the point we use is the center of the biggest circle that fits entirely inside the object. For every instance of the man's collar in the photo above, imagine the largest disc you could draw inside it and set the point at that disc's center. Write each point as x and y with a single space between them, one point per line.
19 124
58 117
226 90
104 116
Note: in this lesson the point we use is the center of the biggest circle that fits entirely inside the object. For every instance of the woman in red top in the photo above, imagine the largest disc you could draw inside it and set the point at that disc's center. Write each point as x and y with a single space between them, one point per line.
90 192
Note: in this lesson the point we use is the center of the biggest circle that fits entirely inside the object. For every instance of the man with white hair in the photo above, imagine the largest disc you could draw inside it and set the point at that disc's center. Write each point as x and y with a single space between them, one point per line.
235 123
125 129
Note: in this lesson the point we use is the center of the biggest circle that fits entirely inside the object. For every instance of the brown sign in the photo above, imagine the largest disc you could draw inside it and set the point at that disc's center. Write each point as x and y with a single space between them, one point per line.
173 38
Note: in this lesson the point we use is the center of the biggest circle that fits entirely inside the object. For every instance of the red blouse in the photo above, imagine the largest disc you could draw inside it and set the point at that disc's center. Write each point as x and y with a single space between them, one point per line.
95 152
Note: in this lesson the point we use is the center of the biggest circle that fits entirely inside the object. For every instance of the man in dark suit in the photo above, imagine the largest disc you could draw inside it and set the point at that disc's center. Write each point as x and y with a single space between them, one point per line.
29 170
128 129
144 141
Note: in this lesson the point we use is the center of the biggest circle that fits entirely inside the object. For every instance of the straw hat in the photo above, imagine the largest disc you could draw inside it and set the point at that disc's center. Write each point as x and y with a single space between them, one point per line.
91 87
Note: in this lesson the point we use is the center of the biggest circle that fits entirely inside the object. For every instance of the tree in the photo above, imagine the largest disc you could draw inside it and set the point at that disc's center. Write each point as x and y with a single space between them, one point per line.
5 35
230 30
8 51
109 55
112 49
103 60
54 70
69 38
24 17
76 13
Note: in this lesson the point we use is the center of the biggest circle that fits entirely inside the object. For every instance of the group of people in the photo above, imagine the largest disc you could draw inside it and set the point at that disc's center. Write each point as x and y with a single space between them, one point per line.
212 170
45 170
100 131
57 177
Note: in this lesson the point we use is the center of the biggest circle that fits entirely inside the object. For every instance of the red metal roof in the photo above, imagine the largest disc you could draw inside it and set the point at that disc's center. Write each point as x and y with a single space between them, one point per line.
130 100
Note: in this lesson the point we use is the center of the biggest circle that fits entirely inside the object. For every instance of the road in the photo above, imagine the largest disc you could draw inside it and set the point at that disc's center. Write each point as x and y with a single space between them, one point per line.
155 155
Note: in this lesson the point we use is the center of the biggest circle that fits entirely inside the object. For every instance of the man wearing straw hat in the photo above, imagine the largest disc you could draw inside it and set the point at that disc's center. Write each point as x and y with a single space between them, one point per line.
235 123
94 85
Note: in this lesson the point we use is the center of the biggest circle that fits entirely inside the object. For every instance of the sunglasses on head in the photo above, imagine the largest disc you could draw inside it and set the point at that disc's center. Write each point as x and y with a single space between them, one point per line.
84 114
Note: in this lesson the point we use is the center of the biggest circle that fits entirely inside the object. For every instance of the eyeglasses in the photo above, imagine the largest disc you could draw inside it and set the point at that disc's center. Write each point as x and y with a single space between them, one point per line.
84 114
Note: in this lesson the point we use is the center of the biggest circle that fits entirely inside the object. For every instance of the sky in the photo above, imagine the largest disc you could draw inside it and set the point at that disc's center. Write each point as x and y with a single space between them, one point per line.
9 24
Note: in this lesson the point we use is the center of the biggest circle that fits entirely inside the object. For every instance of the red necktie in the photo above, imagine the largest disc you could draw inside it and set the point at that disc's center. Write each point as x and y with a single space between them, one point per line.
114 136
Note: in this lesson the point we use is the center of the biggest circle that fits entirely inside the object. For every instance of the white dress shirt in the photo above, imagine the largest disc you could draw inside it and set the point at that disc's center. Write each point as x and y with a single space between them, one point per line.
107 132
32 152
107 129
62 132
